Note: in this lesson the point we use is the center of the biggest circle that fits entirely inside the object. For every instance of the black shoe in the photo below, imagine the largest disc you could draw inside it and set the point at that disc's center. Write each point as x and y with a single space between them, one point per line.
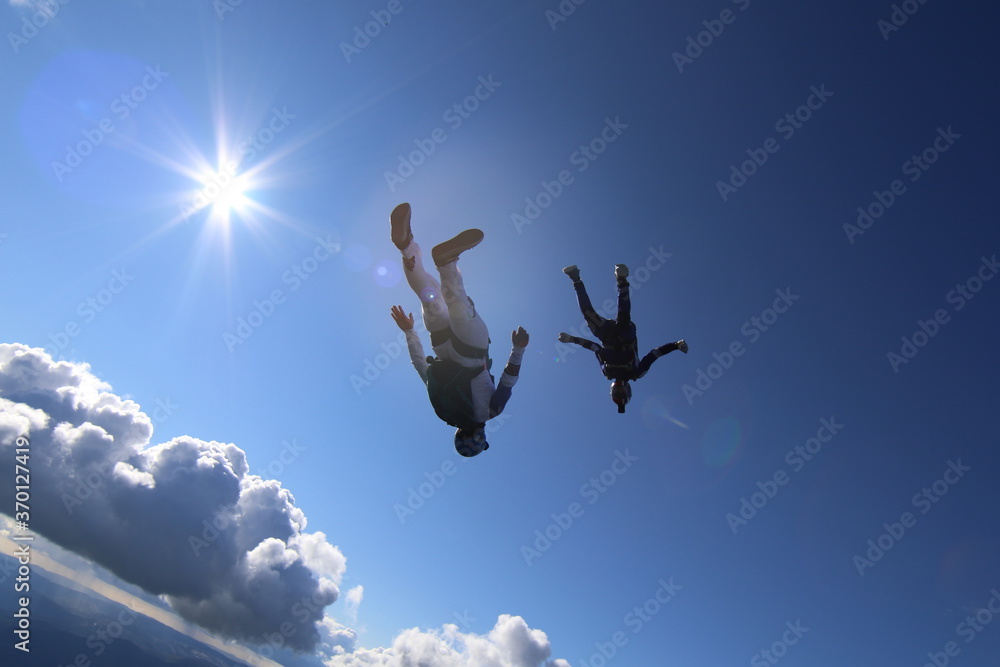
448 252
400 222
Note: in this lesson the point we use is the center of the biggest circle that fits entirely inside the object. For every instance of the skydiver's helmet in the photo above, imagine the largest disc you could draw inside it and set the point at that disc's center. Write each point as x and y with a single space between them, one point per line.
621 393
470 442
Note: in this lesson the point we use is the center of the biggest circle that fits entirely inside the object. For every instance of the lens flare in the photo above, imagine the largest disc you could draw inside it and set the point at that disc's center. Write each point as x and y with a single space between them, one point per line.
721 441
656 413
968 572
387 274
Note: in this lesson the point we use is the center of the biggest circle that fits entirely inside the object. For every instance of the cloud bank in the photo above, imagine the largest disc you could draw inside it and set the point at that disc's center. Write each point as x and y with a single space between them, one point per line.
183 519
186 520
511 643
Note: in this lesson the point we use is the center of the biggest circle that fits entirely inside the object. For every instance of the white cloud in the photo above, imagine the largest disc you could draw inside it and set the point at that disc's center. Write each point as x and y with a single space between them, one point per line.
183 519
18 418
511 643
352 601
319 555
131 475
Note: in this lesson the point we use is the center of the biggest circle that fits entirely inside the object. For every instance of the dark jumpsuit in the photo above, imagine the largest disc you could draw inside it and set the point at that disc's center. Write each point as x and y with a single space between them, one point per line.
619 352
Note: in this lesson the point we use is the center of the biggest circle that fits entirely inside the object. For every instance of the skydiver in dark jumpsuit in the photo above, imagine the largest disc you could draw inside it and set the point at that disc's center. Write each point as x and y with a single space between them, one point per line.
618 352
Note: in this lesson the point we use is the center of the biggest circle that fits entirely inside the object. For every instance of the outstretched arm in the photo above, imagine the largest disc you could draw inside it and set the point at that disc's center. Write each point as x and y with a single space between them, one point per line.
519 340
413 344
652 356
582 342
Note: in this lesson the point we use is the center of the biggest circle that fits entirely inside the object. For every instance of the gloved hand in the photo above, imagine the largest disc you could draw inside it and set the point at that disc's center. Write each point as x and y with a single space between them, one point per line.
519 337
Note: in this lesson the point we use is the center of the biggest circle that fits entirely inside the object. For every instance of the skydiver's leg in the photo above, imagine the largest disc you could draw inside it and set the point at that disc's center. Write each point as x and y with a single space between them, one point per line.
624 299
426 287
464 320
656 353
596 323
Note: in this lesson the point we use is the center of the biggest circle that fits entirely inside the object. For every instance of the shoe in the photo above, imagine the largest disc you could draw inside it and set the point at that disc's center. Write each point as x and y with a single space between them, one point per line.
621 271
401 234
572 272
448 252
682 346
564 337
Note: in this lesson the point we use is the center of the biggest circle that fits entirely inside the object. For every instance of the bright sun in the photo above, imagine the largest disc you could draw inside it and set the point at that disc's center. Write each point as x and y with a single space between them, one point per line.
233 186
225 192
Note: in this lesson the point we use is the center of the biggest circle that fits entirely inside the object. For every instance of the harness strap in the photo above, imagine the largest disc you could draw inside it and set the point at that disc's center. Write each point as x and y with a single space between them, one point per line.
463 348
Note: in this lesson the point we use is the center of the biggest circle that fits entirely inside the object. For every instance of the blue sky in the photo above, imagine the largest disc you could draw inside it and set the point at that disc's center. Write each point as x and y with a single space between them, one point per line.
173 89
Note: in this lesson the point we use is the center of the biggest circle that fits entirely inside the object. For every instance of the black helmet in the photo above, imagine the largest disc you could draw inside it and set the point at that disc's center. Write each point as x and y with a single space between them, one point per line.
621 393
470 442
